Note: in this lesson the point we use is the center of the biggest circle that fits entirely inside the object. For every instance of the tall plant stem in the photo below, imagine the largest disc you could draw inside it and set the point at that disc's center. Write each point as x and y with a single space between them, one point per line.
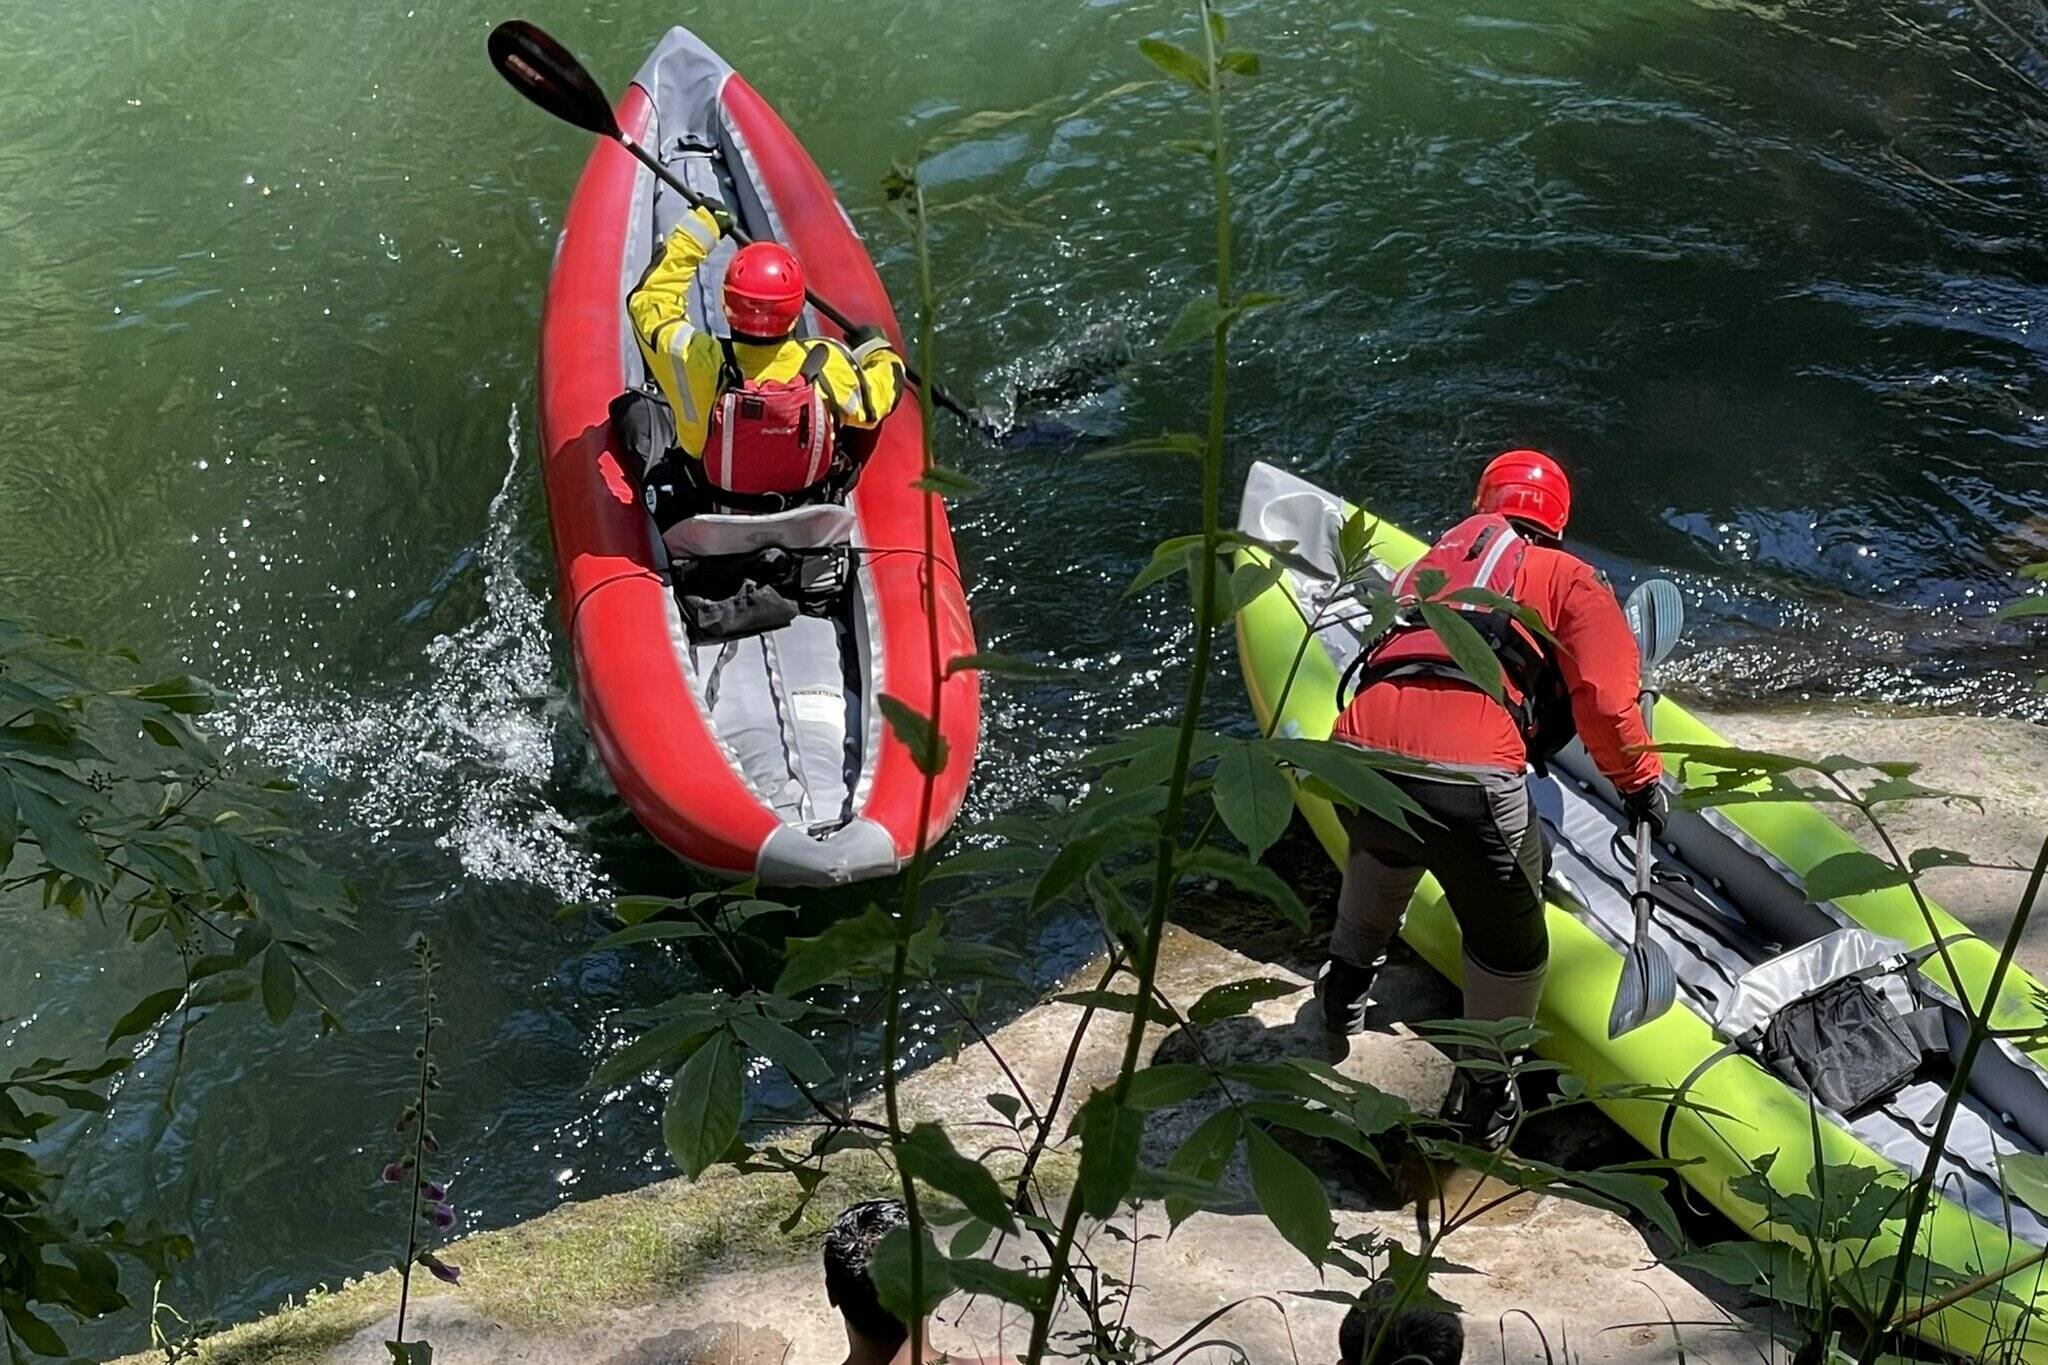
419 1146
1168 851
1937 1142
913 877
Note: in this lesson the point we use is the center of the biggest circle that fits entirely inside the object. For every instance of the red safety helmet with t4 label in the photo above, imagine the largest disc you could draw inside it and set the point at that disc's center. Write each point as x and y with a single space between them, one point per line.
1526 486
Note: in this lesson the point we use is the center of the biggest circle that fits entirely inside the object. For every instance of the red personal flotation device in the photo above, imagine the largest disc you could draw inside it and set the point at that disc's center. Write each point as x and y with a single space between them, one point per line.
1483 551
769 436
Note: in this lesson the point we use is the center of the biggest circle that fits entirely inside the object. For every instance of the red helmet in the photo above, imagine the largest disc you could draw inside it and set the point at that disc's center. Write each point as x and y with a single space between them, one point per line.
764 291
1526 485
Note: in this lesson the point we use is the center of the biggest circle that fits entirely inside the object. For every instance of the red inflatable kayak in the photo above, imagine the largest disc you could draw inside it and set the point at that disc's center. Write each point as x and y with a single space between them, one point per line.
765 754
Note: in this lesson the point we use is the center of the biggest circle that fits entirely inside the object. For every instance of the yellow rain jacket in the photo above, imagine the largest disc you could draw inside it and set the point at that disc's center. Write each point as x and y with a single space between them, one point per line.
861 385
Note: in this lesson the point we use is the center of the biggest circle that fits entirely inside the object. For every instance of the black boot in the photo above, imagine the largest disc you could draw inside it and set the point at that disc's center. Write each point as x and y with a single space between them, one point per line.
1483 1107
1341 991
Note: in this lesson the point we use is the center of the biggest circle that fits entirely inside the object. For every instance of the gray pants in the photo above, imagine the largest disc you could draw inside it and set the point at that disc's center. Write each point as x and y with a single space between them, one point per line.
1485 845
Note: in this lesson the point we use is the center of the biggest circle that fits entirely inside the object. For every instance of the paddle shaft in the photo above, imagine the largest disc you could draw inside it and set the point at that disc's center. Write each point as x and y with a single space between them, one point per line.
1646 854
839 319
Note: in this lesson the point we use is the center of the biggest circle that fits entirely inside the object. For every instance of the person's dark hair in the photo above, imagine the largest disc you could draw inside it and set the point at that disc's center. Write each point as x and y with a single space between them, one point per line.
849 1252
1420 1336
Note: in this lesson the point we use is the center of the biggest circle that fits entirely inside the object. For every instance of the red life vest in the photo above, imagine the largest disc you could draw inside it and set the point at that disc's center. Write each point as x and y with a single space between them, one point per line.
769 436
1483 551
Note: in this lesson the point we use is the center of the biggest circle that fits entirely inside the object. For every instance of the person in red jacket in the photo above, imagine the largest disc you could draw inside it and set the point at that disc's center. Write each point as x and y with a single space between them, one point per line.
1481 836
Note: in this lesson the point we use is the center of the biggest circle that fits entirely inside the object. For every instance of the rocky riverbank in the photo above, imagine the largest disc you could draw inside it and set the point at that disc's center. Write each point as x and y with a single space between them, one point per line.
702 1273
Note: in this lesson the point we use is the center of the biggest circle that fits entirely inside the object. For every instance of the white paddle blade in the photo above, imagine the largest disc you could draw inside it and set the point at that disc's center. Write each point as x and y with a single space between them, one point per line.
1656 615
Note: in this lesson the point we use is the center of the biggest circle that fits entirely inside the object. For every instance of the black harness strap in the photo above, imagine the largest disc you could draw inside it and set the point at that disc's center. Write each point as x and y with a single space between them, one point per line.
730 375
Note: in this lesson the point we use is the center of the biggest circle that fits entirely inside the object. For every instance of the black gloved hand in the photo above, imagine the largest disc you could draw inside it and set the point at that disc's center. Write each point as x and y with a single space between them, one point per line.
861 336
1648 805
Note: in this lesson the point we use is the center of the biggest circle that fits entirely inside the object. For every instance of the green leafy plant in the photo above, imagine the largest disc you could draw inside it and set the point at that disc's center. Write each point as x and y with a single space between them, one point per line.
114 807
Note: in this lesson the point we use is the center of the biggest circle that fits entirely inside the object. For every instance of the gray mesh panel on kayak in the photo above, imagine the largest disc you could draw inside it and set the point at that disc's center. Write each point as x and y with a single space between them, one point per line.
1749 906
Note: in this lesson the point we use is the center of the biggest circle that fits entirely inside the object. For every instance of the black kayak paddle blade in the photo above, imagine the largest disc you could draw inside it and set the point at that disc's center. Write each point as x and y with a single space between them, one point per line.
548 74
1648 987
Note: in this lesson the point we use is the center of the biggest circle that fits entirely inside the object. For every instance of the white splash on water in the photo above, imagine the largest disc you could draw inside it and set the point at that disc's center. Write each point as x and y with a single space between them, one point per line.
464 755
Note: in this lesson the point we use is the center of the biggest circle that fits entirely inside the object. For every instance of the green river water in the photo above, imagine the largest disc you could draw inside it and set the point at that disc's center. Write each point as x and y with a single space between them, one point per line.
1771 277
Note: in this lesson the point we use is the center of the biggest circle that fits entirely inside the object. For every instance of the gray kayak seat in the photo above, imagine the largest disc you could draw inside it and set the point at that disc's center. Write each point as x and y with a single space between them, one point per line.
1750 944
791 707
815 527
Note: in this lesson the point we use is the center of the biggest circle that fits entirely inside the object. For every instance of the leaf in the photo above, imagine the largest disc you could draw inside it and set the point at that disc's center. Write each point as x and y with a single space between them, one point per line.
784 1046
1354 774
147 1013
845 945
65 846
1169 557
1020 1287
1239 62
1921 859
1180 1190
1851 874
949 483
1468 648
1111 1134
1008 666
2025 1176
971 1238
1203 1156
927 1153
659 1046
702 1116
35 1334
1201 316
1246 876
1253 797
280 985
1323 1124
1165 1083
1244 585
1176 61
1165 443
1770 1270
928 748
2037 571
890 1270
10 823
1289 1195
1237 997
160 732
648 931
186 696
2024 607
220 990
1074 860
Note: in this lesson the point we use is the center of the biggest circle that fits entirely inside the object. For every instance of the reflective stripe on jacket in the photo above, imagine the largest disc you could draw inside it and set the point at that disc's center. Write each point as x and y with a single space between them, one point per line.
861 385
1453 723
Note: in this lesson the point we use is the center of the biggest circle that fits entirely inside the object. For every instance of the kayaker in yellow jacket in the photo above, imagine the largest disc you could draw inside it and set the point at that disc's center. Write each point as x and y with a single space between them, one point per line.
762 410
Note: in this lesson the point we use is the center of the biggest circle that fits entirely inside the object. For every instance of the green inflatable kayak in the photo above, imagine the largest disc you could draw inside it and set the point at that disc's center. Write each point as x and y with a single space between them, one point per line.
1760 969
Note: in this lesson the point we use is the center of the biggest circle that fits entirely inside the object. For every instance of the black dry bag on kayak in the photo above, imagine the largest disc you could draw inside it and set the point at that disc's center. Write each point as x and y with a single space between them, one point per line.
1845 1045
